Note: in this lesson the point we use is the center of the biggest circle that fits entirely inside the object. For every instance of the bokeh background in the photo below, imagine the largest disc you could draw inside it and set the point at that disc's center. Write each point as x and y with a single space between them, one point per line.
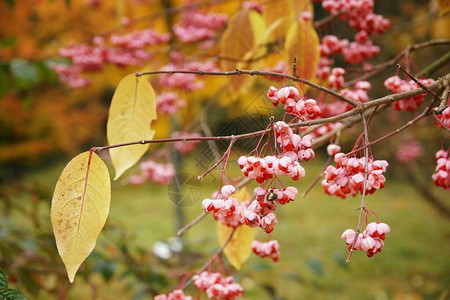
44 123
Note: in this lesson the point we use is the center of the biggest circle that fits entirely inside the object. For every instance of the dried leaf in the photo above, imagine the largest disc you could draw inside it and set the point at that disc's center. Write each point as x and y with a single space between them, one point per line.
240 246
80 206
302 41
240 41
132 110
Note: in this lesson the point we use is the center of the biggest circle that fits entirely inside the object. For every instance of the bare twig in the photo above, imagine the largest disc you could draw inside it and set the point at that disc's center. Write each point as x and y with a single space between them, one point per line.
417 81
192 224
327 163
225 155
386 65
215 255
362 107
363 198
238 72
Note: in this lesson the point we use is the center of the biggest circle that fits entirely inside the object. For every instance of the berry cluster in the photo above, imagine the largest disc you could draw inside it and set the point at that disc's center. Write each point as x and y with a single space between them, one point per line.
168 103
252 5
188 146
409 152
332 45
197 26
358 52
155 172
336 79
347 178
125 50
358 13
289 141
441 177
324 129
261 212
264 168
225 209
269 249
175 295
217 287
444 119
370 241
139 39
359 94
398 85
187 82
293 104
333 149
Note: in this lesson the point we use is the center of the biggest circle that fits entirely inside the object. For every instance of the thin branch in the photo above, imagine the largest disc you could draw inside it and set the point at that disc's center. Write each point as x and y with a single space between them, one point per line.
386 65
427 111
363 199
417 81
226 154
192 224
327 163
207 132
238 72
215 255
362 107
434 66
326 20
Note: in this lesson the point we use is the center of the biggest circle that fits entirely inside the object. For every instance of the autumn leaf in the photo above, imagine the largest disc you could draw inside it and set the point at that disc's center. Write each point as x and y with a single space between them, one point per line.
302 42
241 41
80 206
444 6
277 15
299 6
240 246
132 110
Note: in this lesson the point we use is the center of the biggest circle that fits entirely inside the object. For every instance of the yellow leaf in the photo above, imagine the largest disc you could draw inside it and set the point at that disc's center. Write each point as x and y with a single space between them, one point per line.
242 195
299 6
132 110
444 6
240 246
302 41
80 206
241 37
278 15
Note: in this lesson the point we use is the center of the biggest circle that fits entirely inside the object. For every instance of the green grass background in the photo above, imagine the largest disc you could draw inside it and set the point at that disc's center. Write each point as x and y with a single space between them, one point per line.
415 263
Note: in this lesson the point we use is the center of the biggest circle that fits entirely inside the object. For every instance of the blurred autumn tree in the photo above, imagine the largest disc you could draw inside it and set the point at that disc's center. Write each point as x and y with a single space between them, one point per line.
41 118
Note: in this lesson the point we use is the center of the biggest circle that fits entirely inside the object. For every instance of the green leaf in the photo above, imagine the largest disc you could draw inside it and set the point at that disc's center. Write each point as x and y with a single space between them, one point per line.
106 268
25 73
10 3
8 42
315 265
9 294
3 280
29 283
4 82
